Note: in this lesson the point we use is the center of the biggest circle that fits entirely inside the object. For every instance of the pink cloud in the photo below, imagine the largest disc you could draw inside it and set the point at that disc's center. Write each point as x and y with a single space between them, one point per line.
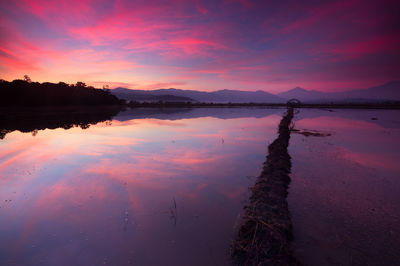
318 14
241 44
387 44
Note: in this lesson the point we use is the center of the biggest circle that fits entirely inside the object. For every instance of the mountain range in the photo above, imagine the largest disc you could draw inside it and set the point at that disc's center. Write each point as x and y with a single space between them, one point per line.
386 92
177 95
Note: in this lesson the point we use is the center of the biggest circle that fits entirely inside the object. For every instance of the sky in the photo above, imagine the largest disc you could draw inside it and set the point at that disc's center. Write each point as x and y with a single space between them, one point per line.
202 45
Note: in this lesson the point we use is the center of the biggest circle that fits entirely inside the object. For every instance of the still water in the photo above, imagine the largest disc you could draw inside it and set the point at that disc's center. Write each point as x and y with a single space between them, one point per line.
153 187
147 188
344 197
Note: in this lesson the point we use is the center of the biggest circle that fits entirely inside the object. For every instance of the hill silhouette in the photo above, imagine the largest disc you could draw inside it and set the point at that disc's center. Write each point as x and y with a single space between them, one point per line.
27 93
221 96
382 93
144 96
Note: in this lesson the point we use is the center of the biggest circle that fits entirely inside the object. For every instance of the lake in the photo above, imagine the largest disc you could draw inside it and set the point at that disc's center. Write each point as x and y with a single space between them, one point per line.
344 196
167 187
148 188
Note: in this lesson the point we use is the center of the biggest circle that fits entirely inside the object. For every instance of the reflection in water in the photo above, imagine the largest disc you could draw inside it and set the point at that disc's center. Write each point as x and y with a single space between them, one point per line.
185 113
344 196
130 192
156 188
35 119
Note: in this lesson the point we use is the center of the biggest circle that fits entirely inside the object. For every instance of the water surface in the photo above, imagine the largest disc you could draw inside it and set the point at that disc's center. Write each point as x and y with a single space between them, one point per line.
147 188
166 187
344 195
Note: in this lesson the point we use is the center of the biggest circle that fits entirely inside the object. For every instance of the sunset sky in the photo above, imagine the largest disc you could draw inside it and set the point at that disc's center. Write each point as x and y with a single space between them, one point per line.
202 45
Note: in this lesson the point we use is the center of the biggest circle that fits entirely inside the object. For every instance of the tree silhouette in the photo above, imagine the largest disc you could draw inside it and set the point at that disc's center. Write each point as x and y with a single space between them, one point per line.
27 79
28 93
81 84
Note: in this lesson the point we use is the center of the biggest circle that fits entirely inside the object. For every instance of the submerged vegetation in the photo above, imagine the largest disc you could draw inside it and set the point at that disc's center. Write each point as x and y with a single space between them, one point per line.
313 133
266 229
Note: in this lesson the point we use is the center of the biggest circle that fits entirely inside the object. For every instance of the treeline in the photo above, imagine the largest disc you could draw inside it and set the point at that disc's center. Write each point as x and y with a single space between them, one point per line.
162 104
195 104
28 93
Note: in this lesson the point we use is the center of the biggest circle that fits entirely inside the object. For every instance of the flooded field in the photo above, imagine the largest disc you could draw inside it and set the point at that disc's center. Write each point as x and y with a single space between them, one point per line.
153 187
344 195
147 188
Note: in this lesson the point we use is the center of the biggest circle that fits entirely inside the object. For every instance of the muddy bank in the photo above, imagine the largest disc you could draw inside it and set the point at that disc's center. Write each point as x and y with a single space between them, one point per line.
266 229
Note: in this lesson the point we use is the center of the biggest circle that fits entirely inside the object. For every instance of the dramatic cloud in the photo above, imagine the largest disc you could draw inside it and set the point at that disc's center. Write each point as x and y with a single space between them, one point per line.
205 45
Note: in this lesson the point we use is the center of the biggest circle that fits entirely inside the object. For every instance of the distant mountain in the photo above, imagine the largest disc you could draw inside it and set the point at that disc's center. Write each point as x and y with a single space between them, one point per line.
144 96
245 96
387 92
221 96
302 94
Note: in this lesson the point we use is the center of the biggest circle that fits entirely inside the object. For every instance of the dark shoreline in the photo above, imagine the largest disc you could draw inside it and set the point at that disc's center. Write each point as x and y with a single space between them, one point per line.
266 230
391 105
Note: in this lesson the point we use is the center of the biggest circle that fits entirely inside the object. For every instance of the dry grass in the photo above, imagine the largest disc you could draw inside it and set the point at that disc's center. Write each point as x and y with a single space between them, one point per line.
266 230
